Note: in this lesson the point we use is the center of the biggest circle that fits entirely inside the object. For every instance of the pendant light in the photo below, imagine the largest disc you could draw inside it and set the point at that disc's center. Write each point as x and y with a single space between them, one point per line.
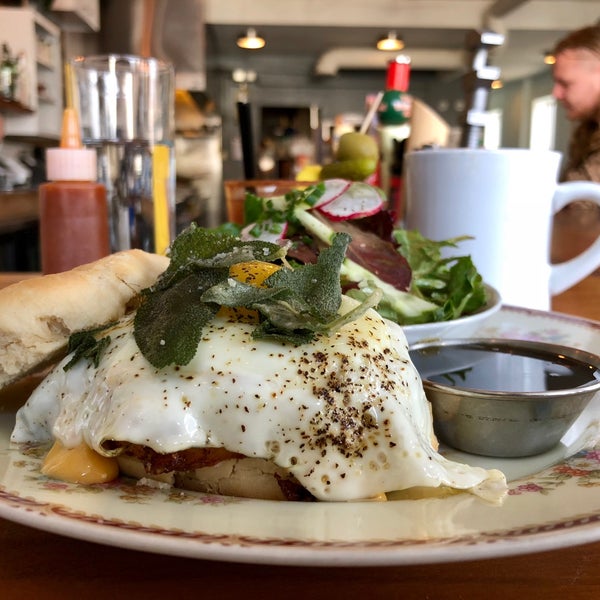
251 40
390 43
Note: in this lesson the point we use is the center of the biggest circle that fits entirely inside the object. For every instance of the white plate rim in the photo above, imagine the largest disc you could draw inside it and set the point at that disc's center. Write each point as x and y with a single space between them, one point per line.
59 511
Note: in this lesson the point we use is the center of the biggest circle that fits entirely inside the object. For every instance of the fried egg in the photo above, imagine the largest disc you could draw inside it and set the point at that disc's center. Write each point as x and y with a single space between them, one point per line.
345 414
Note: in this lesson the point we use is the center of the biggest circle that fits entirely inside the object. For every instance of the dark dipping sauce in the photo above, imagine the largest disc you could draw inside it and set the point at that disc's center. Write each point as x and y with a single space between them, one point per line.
501 367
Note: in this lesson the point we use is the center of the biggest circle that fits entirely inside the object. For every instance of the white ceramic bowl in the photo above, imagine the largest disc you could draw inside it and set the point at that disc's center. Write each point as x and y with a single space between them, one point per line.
463 327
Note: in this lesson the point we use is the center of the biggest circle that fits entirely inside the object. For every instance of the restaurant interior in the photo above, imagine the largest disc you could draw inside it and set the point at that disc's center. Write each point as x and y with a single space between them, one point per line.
314 79
476 74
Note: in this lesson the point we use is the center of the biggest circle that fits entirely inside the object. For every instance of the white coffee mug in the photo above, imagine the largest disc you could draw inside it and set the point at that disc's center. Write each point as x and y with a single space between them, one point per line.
505 199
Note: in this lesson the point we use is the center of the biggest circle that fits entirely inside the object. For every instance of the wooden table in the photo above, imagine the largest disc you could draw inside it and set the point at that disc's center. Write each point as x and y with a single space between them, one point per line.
36 564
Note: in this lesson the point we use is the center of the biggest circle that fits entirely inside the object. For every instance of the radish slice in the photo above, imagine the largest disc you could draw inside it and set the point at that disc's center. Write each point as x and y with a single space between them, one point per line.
333 189
267 231
359 200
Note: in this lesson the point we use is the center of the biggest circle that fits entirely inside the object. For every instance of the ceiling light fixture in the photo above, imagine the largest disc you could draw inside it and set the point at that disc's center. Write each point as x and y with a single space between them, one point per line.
390 43
251 41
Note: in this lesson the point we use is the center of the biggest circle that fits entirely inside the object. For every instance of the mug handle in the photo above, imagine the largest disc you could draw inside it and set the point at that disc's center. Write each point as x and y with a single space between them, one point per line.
566 274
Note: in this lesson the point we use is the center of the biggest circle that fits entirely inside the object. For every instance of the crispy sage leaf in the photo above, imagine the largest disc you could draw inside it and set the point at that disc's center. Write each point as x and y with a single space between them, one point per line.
317 284
168 325
294 305
85 345
296 301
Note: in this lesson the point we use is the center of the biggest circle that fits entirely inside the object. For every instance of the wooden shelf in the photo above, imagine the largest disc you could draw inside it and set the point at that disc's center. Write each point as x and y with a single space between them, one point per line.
41 140
40 112
12 106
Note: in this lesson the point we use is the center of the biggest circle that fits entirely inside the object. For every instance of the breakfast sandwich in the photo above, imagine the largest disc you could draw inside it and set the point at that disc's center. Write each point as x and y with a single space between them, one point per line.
238 373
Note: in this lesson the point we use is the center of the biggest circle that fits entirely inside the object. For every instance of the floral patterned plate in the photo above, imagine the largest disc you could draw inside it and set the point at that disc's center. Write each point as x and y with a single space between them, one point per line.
554 500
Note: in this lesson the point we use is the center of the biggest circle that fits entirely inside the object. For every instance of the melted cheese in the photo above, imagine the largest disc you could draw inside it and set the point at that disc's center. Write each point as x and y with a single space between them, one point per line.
79 464
346 415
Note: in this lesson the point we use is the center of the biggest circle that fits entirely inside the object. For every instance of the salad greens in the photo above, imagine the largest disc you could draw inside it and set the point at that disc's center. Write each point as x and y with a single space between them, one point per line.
454 283
440 288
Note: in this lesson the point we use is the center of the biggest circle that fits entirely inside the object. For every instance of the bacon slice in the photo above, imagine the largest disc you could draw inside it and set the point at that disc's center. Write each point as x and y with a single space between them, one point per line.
184 460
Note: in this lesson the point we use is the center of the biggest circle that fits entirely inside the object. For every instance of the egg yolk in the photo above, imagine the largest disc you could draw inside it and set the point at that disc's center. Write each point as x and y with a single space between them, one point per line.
253 272
80 464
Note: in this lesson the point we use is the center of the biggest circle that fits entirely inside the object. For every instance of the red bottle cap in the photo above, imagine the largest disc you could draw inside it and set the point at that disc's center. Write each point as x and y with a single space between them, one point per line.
398 74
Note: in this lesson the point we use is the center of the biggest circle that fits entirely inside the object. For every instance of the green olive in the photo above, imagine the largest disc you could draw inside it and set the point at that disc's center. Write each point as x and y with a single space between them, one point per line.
356 169
355 145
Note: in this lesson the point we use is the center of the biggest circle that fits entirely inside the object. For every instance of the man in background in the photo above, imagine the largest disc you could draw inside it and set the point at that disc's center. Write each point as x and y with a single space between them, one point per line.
577 87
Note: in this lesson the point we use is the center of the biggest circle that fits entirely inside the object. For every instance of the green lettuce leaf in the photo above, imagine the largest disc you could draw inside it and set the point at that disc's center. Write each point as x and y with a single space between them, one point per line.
454 283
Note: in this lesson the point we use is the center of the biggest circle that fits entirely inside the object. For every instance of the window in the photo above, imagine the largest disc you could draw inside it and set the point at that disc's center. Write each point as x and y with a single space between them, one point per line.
543 123
492 131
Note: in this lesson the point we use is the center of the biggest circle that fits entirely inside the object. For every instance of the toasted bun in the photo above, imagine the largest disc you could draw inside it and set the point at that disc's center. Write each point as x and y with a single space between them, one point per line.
38 315
242 477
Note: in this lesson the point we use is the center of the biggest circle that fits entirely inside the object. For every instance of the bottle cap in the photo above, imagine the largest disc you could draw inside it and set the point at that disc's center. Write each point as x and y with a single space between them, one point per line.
70 161
71 164
398 74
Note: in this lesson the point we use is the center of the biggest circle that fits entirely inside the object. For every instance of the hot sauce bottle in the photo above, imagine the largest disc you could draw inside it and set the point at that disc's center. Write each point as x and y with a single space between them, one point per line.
394 116
74 227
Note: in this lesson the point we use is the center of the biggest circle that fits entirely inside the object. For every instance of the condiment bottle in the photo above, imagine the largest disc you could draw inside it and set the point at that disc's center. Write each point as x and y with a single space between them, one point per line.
74 227
396 103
